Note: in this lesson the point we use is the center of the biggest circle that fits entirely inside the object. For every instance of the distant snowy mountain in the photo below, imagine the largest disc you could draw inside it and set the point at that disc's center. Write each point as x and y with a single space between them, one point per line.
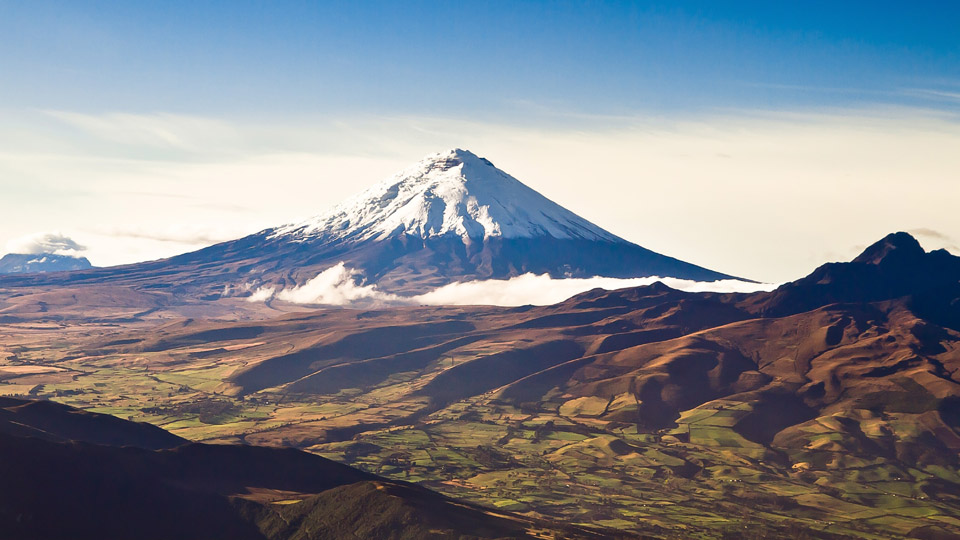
19 263
452 217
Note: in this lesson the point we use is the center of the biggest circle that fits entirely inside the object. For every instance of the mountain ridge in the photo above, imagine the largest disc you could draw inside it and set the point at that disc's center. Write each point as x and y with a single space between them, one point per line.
895 266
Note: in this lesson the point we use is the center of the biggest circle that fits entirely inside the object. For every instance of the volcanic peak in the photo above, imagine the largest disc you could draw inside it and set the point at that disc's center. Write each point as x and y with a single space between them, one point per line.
898 245
452 193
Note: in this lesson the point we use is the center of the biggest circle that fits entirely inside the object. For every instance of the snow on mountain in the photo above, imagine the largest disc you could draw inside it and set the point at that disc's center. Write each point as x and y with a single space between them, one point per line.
453 193
27 263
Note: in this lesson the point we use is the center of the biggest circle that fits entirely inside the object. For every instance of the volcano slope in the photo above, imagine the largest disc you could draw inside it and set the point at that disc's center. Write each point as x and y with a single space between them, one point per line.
828 408
76 475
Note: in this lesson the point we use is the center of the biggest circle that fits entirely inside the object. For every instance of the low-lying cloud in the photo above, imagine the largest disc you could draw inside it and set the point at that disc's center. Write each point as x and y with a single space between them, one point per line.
38 243
337 286
545 290
342 286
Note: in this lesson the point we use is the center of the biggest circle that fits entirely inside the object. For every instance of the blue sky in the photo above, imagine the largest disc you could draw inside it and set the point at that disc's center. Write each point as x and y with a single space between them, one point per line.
478 58
759 139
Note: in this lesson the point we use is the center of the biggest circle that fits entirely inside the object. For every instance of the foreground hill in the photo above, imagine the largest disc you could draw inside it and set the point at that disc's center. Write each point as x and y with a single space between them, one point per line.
451 217
77 490
54 422
828 407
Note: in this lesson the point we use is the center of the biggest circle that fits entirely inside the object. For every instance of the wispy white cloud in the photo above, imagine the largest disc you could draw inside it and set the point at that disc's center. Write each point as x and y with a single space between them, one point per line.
51 242
343 286
192 234
928 233
166 130
944 95
935 239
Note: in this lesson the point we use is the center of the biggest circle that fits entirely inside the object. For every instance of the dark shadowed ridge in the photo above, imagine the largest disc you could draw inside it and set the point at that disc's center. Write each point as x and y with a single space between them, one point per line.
138 483
60 423
895 267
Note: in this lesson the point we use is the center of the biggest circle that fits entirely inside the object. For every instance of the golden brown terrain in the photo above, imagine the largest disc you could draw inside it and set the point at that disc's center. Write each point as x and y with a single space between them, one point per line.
828 408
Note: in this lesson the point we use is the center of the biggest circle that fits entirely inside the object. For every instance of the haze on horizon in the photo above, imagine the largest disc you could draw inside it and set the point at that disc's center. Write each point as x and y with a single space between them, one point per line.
758 140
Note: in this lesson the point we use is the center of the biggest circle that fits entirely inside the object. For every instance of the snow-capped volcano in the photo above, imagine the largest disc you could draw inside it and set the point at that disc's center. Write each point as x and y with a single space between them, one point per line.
453 193
452 217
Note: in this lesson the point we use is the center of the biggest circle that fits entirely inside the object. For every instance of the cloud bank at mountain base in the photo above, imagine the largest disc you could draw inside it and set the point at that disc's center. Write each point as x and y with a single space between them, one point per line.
341 285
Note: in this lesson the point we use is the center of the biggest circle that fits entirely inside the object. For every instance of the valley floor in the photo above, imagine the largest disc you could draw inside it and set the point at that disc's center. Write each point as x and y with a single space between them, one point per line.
562 458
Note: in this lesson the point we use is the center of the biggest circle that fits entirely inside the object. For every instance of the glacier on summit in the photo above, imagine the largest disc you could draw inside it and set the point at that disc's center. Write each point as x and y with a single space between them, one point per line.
452 193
